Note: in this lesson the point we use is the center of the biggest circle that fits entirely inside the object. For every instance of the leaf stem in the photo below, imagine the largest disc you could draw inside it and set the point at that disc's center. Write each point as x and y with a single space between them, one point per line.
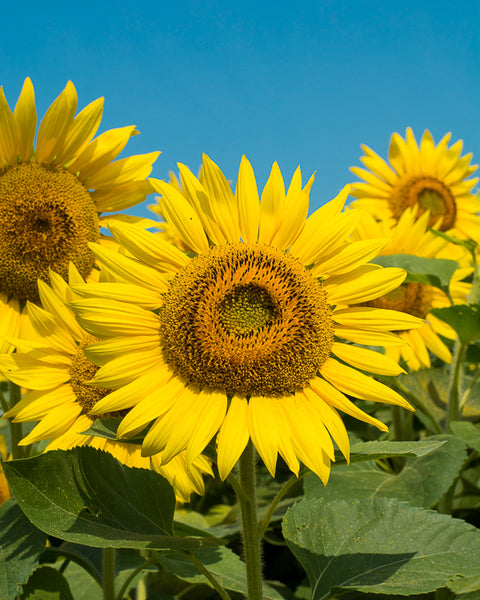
264 523
211 578
109 574
134 573
455 384
251 537
435 425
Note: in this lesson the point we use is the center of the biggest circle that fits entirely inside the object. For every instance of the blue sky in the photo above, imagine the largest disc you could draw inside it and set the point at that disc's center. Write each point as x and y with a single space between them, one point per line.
297 82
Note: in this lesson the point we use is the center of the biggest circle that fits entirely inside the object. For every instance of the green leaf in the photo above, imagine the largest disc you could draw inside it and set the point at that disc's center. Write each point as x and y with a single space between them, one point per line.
21 545
464 318
224 565
422 481
427 390
87 497
468 432
46 583
377 450
467 588
381 546
107 429
83 586
430 271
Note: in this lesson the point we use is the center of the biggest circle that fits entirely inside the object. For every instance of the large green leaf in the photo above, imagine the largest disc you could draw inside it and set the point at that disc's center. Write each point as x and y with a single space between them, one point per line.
21 544
86 496
82 585
468 432
422 482
381 546
430 271
224 564
386 449
46 583
464 318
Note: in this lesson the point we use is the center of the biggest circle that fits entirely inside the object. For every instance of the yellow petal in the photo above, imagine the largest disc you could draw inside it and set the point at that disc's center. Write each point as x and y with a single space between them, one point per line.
211 408
121 196
149 247
264 429
26 119
101 151
272 206
365 359
248 202
372 284
82 130
124 170
376 319
180 215
124 369
349 257
222 201
55 423
151 406
296 212
9 142
129 269
335 398
354 383
131 394
233 436
110 318
55 124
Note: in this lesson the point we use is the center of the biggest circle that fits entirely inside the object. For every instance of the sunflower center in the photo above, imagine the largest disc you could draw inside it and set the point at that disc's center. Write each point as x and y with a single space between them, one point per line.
81 372
246 319
412 298
429 194
246 309
47 218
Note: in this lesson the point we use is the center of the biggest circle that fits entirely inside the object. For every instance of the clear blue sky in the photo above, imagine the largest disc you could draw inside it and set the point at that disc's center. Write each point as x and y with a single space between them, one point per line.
301 82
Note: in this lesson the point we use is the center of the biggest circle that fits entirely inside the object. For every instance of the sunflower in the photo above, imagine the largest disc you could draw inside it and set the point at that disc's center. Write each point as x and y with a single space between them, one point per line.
432 178
52 194
411 236
55 372
247 332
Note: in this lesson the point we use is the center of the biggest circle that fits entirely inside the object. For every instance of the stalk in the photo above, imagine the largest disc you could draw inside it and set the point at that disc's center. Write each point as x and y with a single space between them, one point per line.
109 574
251 534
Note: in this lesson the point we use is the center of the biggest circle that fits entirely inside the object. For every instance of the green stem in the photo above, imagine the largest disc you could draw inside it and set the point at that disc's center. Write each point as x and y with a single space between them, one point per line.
446 501
444 594
251 537
201 567
454 392
435 426
109 574
397 421
263 525
132 575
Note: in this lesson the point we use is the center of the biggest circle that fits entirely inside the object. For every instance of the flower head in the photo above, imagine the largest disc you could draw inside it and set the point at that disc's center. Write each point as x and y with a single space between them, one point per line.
432 178
242 328
53 369
53 192
411 236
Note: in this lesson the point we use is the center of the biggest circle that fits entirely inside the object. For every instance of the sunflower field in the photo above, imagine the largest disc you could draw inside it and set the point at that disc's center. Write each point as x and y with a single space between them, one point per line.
236 397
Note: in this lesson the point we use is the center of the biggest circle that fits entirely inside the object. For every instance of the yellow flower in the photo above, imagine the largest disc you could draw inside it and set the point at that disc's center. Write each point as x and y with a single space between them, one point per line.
433 178
411 236
54 370
243 334
52 194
